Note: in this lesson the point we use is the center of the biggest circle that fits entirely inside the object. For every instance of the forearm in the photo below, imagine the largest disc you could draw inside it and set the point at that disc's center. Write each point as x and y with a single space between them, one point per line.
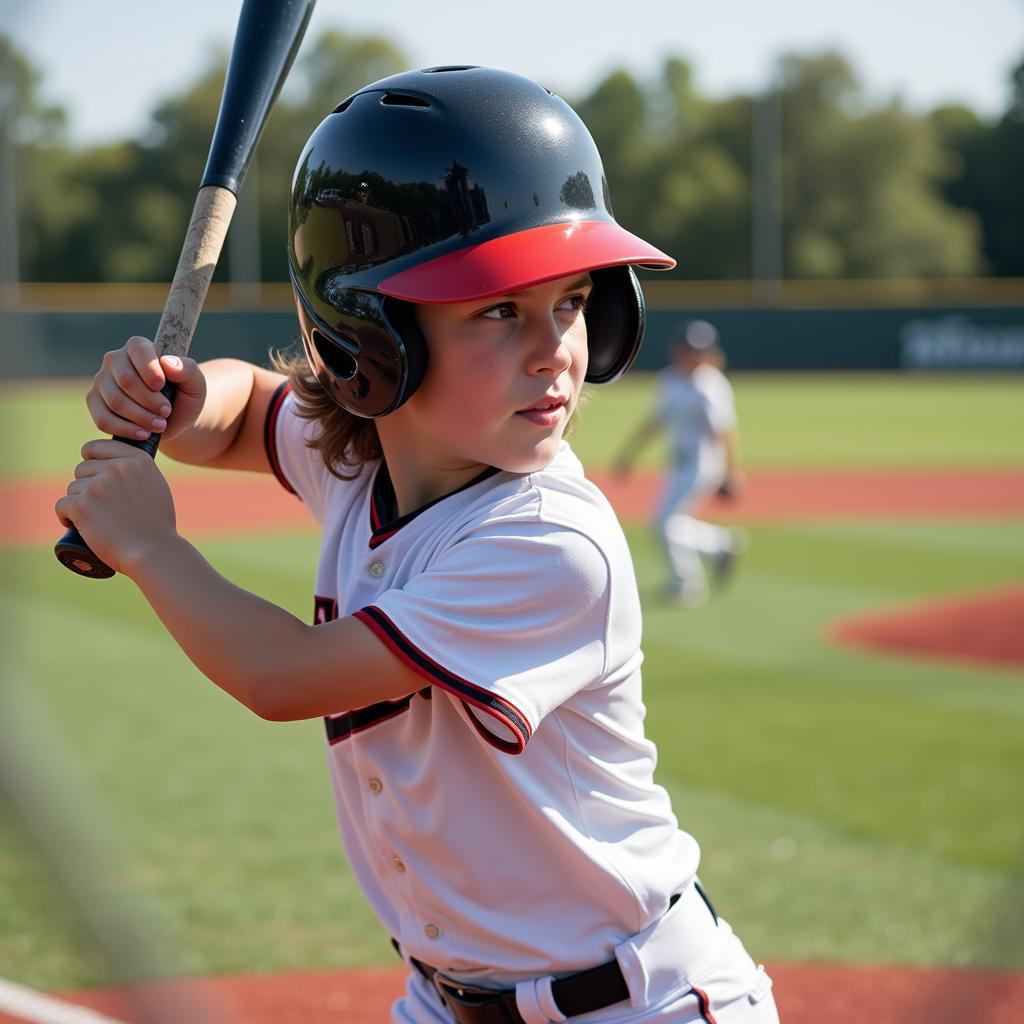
229 385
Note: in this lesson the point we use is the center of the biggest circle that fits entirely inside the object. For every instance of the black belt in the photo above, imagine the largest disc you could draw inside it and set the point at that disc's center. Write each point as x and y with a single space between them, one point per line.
576 994
590 990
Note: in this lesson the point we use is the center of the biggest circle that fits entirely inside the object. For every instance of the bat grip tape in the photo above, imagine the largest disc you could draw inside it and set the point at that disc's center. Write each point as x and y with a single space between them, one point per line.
151 443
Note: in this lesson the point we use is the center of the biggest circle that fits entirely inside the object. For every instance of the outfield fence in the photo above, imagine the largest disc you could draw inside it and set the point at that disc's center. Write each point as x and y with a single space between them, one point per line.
940 325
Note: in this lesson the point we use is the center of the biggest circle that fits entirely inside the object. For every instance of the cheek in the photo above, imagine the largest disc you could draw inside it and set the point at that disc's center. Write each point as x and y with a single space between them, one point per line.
458 377
576 338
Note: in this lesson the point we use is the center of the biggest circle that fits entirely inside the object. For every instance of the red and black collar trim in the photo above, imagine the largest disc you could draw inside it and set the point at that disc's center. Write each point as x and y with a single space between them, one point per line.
270 433
469 693
384 519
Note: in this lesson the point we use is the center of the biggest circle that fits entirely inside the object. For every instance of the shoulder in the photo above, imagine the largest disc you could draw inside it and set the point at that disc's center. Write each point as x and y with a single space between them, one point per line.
711 380
559 494
559 508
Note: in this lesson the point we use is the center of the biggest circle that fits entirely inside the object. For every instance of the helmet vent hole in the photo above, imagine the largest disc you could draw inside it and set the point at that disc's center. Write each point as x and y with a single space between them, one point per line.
448 67
340 362
343 106
403 99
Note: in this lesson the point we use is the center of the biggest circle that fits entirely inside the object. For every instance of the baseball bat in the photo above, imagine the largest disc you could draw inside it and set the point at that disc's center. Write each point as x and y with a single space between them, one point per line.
267 38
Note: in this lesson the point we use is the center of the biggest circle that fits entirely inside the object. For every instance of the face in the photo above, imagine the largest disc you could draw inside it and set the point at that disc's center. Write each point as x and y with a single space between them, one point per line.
686 358
504 377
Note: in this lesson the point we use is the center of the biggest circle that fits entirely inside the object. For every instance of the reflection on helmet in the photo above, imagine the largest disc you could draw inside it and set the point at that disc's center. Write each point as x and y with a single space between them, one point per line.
447 185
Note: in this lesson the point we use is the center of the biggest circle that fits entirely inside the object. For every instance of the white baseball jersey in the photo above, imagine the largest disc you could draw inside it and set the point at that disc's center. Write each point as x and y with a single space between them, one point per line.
504 818
695 408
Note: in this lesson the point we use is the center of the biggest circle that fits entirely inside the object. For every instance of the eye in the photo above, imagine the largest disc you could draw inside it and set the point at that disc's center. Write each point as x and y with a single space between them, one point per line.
576 303
502 311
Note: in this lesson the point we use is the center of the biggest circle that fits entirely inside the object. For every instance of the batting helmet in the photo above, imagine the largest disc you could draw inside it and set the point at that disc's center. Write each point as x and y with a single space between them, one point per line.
449 185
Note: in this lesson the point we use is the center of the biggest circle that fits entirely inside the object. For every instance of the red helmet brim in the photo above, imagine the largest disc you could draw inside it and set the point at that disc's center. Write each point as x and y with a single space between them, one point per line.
511 263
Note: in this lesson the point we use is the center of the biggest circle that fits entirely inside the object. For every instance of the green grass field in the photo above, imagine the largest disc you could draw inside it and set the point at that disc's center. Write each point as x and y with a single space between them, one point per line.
795 420
850 807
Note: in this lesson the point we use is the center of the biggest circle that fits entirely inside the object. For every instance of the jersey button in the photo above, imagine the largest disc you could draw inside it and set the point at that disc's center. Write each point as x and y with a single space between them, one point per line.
376 570
398 863
432 931
375 785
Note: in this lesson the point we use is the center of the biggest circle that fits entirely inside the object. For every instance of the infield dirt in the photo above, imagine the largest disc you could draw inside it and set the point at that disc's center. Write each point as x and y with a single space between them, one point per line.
247 503
805 993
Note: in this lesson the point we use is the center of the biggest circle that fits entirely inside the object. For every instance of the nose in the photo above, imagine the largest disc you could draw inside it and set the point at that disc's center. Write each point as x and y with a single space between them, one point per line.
549 351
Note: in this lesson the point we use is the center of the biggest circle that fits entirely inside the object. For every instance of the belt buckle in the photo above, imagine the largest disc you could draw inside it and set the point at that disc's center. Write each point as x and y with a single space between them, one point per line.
471 1004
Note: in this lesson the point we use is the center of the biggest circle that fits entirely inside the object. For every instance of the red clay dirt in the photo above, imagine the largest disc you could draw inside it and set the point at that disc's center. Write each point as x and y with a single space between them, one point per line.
805 993
986 628
245 504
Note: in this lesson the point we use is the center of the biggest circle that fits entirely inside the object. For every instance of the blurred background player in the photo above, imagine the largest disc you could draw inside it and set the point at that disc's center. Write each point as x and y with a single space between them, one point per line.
695 407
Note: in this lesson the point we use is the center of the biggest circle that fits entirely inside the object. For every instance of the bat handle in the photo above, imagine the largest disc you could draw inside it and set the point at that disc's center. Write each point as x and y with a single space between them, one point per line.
207 228
71 550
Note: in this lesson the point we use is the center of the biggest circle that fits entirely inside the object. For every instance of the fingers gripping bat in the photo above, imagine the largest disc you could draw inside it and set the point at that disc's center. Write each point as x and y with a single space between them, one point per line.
267 38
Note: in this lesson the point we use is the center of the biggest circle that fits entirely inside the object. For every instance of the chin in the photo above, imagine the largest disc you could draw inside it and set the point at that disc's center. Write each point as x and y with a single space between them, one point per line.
533 461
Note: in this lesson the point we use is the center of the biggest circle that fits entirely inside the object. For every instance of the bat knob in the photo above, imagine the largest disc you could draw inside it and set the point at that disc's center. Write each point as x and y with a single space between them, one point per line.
74 554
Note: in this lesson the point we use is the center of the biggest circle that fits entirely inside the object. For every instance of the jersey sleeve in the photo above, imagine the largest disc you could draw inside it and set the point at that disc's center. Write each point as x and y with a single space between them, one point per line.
298 468
512 620
721 407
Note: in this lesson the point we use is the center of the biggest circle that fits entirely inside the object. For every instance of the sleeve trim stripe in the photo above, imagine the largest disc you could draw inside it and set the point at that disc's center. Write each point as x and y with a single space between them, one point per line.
270 434
508 714
341 727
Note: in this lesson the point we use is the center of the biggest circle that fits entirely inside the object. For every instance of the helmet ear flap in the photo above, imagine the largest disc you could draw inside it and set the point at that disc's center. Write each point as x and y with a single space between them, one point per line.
401 319
371 358
615 323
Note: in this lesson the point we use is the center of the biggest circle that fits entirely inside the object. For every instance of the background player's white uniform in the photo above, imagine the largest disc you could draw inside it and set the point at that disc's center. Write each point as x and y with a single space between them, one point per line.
696 409
503 822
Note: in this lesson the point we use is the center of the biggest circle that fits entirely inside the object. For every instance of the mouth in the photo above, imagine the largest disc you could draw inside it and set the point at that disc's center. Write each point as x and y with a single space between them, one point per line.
546 411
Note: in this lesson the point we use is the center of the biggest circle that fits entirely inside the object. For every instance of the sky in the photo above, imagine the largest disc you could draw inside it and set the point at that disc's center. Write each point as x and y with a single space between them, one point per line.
109 62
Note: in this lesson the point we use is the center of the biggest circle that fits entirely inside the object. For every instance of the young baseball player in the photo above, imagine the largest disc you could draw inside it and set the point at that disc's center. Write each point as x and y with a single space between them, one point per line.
695 407
475 645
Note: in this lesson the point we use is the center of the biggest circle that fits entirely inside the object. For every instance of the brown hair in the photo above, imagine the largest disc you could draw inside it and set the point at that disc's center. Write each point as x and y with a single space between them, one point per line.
344 441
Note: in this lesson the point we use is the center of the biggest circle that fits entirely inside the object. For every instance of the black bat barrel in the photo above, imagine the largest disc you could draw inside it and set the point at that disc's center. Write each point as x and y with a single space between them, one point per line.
268 37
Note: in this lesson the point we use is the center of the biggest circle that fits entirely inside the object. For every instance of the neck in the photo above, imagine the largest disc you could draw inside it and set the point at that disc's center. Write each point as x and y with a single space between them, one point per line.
419 479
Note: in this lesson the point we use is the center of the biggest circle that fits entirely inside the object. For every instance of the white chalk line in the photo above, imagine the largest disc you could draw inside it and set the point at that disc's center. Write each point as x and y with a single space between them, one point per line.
37 1008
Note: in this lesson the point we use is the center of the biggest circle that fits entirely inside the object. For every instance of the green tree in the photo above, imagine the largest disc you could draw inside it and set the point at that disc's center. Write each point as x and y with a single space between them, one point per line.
867 191
618 117
700 178
120 210
987 175
862 188
671 166
32 154
117 212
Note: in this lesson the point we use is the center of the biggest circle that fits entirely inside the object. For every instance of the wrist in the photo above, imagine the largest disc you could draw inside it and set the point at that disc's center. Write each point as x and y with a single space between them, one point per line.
153 558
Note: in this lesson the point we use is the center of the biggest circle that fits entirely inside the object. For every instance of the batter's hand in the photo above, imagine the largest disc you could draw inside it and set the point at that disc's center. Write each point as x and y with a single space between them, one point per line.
120 503
125 398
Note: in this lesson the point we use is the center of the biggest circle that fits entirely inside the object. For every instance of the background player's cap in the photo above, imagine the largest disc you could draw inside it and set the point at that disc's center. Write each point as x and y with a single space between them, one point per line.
695 335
